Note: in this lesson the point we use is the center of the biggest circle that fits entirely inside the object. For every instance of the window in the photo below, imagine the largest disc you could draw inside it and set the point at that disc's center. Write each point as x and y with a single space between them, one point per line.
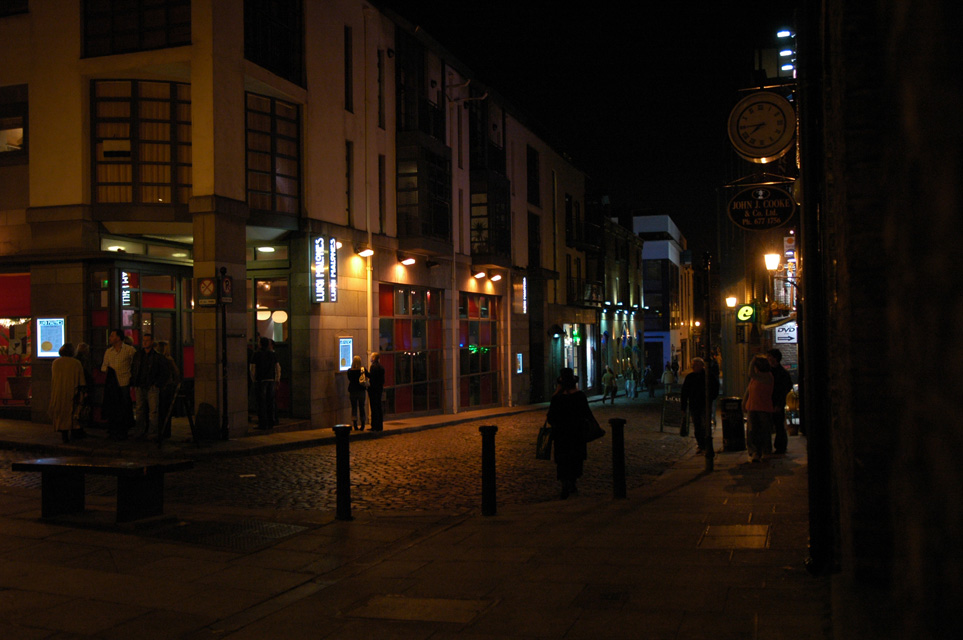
122 26
411 347
13 7
381 88
348 177
273 37
348 72
382 192
478 350
273 155
13 124
142 142
534 194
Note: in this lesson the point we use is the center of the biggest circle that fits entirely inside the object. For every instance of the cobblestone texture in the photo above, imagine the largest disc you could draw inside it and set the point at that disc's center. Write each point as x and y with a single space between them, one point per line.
432 470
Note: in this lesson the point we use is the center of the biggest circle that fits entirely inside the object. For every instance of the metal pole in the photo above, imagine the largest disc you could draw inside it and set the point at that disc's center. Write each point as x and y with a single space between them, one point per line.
710 453
618 457
488 469
342 471
224 417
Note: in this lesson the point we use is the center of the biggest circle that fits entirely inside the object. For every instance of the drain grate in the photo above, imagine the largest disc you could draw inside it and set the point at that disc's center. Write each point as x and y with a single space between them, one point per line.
242 536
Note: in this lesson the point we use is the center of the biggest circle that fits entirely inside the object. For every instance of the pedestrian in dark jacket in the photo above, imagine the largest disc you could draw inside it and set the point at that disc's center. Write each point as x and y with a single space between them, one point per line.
357 386
376 378
567 414
148 375
265 373
694 399
781 386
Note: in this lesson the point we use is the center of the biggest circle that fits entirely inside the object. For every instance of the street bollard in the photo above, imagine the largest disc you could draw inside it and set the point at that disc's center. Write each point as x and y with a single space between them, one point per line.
488 469
618 457
343 471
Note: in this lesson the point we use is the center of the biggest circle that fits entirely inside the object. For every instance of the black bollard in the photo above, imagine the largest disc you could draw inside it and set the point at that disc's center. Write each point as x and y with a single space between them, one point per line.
343 472
488 469
618 457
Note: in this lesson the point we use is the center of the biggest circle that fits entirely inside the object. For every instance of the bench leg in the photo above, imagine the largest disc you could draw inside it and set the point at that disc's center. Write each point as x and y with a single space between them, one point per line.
141 497
61 493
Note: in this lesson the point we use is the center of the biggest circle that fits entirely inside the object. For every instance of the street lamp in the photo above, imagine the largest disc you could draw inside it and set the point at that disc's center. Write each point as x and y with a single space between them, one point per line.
772 261
731 302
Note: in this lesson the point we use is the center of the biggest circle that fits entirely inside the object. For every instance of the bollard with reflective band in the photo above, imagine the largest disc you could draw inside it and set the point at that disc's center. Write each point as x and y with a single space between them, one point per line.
343 471
618 457
488 469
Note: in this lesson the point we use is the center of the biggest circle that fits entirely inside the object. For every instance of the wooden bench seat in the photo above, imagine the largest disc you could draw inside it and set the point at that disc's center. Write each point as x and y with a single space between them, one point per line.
140 483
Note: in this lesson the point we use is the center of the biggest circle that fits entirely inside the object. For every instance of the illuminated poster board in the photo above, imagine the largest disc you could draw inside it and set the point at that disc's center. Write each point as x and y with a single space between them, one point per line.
345 353
50 336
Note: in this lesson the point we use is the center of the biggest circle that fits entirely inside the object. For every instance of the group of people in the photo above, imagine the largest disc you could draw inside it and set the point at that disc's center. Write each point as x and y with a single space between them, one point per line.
764 404
149 370
366 384
636 381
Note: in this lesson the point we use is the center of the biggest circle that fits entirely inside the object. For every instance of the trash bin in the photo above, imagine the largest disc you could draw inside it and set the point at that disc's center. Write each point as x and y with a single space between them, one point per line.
733 431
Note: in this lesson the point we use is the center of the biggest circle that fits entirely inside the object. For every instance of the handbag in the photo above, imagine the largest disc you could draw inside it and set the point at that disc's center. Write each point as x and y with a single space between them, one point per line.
591 429
363 379
543 446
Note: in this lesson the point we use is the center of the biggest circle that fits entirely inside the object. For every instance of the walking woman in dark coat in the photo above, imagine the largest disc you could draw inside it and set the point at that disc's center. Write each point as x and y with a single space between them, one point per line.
567 414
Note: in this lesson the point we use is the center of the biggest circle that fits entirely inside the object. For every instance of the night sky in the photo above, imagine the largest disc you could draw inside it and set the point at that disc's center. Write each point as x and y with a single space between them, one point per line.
636 93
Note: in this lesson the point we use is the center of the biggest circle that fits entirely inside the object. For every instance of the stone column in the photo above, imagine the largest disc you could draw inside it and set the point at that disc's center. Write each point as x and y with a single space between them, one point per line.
219 241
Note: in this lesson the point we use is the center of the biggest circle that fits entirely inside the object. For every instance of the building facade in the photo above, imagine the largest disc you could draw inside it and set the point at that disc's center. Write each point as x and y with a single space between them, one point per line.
319 173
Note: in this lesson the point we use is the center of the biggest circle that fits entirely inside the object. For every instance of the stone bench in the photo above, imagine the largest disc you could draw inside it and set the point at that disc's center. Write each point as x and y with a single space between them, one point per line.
140 483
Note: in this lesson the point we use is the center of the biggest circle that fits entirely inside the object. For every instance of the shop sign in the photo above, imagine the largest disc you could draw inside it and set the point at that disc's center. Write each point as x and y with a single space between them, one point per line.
124 289
746 313
786 334
760 208
324 269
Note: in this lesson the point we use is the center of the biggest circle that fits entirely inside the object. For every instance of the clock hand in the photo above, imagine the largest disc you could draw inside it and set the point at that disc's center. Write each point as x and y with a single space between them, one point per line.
755 127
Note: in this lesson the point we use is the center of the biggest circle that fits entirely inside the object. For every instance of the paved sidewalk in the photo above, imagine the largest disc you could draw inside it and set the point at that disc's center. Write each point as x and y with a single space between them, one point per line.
692 555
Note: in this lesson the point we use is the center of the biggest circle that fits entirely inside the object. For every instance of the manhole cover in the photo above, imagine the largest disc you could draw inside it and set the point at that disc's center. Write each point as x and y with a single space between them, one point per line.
243 536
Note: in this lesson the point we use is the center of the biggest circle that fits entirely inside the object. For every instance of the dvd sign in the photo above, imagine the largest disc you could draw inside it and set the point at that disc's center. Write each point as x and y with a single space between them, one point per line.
786 334
761 208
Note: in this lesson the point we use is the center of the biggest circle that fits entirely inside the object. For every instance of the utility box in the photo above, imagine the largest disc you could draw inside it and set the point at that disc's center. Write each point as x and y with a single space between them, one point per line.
733 429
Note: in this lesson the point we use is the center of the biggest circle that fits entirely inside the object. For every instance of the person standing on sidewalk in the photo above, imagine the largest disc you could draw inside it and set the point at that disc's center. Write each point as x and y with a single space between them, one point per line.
630 375
567 414
376 378
357 386
694 398
117 405
609 384
66 387
757 403
781 386
265 372
149 373
668 378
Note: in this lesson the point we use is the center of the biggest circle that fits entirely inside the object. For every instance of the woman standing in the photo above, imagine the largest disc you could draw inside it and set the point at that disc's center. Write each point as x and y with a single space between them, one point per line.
567 414
66 378
757 403
357 377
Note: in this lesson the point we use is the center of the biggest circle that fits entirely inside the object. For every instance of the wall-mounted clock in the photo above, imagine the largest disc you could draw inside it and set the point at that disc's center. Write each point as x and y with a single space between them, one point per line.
762 127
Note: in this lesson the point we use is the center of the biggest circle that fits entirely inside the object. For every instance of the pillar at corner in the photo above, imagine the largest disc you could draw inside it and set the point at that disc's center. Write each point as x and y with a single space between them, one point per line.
220 240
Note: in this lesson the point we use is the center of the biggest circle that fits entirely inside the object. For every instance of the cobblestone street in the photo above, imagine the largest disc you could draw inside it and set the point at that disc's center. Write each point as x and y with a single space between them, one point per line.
432 470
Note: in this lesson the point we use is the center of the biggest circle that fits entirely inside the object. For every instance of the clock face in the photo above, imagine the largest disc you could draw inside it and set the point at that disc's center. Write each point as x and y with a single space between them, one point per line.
762 126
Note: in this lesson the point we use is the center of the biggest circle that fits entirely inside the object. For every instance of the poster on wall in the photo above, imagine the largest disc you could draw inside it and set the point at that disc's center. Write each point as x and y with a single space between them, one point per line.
345 353
50 336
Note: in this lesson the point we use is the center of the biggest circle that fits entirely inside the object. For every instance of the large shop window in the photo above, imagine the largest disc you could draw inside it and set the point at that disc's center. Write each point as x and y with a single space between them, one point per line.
121 26
142 142
273 155
410 343
478 351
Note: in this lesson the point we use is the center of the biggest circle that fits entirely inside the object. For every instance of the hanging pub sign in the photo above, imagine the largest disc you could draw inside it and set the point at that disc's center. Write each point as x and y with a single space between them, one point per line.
761 207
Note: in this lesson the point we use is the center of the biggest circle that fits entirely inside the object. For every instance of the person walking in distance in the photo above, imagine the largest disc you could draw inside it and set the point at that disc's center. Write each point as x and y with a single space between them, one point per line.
567 413
149 373
357 385
781 386
265 372
609 384
117 405
376 378
757 403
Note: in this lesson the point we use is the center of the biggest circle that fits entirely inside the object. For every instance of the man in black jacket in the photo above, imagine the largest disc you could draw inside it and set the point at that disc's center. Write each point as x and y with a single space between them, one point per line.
782 385
148 374
694 398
